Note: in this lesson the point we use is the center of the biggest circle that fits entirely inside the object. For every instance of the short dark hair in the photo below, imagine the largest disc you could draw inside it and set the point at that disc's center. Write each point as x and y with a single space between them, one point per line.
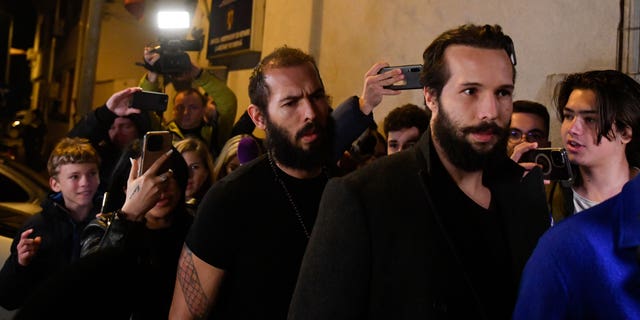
279 58
406 116
435 73
526 106
617 102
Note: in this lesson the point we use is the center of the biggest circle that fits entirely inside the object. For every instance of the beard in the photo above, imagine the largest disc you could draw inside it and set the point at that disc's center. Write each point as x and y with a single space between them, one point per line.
459 151
291 155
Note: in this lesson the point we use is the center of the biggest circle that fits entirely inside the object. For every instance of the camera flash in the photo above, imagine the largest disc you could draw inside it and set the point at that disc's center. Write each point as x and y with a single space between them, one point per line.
173 20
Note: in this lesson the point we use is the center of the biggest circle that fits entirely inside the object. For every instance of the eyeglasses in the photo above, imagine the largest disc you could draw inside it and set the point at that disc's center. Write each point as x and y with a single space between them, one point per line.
534 135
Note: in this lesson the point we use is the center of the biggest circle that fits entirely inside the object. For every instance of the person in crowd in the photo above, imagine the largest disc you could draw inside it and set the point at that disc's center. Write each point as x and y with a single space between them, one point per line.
228 160
587 266
241 257
189 109
600 112
129 255
529 130
369 146
444 229
200 164
225 100
112 127
529 127
403 126
50 240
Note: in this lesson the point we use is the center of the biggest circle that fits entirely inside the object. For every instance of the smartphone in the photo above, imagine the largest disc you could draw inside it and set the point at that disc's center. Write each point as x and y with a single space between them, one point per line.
554 162
154 145
149 100
411 77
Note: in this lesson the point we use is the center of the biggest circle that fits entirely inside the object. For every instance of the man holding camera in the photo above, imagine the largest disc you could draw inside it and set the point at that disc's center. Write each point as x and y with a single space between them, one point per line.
444 229
192 76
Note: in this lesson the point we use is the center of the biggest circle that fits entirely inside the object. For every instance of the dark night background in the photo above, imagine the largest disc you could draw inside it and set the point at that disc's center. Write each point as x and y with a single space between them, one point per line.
23 14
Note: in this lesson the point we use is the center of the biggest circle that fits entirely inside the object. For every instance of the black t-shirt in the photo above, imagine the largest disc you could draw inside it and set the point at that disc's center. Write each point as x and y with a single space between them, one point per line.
479 238
246 226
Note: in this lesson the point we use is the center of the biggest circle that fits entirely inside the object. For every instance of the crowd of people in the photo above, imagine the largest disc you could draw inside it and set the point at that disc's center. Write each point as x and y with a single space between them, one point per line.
326 217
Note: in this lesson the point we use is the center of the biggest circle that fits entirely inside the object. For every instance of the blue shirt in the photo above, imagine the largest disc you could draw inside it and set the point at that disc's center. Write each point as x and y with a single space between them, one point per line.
587 266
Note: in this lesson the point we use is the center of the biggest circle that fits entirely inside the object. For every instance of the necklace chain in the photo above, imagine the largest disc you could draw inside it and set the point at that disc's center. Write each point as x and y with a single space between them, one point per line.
289 197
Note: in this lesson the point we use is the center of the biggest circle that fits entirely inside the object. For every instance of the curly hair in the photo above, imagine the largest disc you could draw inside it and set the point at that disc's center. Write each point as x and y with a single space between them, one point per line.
406 116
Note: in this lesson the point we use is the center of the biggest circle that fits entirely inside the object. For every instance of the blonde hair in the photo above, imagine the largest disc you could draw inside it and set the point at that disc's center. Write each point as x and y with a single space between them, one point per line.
229 150
197 146
71 151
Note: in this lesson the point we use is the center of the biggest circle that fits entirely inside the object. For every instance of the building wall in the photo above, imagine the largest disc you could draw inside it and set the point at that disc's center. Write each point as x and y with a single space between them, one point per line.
346 37
122 42
551 38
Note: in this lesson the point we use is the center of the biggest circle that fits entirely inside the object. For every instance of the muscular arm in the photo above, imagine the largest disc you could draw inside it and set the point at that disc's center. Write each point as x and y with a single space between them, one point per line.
197 286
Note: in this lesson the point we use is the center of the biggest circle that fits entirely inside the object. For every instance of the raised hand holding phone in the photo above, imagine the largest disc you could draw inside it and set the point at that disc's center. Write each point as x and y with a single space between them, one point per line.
554 163
119 103
144 187
411 77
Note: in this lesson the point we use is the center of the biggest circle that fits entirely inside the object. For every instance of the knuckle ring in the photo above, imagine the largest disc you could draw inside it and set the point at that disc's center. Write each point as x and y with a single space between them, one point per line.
163 178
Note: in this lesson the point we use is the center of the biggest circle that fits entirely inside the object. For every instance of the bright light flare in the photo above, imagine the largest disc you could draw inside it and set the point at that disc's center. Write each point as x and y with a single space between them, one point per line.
173 20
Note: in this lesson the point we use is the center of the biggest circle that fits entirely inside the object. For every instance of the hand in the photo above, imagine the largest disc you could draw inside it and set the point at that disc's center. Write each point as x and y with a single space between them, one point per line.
119 102
151 57
373 86
519 150
144 191
27 247
210 111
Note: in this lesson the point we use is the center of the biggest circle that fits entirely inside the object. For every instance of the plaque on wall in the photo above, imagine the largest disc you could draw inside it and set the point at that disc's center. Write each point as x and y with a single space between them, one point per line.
235 27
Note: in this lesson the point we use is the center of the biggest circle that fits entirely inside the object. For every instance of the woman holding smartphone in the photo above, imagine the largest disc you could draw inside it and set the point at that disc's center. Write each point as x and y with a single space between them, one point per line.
600 115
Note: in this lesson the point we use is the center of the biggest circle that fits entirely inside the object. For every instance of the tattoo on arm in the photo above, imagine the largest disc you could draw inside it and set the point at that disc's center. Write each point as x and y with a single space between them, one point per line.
194 295
136 189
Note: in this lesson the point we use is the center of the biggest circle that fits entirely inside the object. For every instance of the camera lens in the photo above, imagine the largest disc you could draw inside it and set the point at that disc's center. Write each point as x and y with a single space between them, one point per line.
544 161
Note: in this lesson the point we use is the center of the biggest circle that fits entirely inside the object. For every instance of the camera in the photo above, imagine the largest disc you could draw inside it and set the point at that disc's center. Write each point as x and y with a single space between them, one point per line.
554 162
173 56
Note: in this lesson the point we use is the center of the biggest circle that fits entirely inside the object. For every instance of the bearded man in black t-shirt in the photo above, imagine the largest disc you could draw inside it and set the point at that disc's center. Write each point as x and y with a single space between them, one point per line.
242 256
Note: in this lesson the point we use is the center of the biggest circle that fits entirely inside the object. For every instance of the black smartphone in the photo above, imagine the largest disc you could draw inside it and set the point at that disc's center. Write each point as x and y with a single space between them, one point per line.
554 162
411 77
154 145
149 100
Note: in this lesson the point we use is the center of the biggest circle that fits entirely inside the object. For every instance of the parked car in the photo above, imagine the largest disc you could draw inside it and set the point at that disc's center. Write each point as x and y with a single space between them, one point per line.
23 190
